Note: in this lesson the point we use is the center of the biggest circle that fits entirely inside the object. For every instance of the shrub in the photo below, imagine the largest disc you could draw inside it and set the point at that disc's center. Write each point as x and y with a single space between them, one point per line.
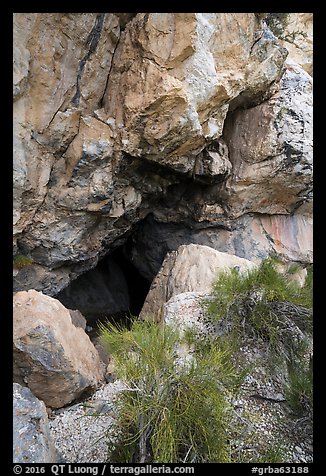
180 411
299 389
278 22
299 392
264 304
21 261
276 453
171 411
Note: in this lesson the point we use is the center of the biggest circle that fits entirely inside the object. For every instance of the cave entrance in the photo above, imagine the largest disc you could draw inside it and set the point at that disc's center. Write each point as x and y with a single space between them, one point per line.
114 290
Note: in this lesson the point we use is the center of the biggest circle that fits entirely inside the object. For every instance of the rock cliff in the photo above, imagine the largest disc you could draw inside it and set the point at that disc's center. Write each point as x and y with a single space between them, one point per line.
141 139
171 128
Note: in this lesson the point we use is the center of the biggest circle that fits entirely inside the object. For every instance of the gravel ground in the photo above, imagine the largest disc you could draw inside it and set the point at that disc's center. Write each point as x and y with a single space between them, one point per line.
261 419
263 416
79 431
266 425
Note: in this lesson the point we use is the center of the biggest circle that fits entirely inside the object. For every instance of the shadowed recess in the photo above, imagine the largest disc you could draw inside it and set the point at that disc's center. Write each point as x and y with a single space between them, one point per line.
113 290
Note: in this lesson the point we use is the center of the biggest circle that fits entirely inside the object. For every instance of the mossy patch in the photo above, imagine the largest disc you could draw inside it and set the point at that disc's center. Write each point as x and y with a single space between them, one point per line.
21 261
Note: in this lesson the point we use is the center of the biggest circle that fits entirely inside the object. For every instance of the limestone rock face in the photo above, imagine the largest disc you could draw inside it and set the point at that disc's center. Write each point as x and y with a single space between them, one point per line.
253 237
77 318
295 32
270 147
174 75
54 358
190 268
32 442
57 58
118 116
183 312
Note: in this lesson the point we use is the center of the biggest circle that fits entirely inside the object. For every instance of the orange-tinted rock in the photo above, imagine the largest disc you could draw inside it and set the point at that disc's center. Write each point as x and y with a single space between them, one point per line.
190 268
55 359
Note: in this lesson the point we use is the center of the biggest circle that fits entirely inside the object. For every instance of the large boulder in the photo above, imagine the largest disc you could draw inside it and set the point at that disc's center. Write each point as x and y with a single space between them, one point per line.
183 312
55 359
190 268
32 441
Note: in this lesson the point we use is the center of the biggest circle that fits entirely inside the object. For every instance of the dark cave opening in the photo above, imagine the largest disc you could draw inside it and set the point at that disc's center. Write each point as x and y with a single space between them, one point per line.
113 291
138 286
